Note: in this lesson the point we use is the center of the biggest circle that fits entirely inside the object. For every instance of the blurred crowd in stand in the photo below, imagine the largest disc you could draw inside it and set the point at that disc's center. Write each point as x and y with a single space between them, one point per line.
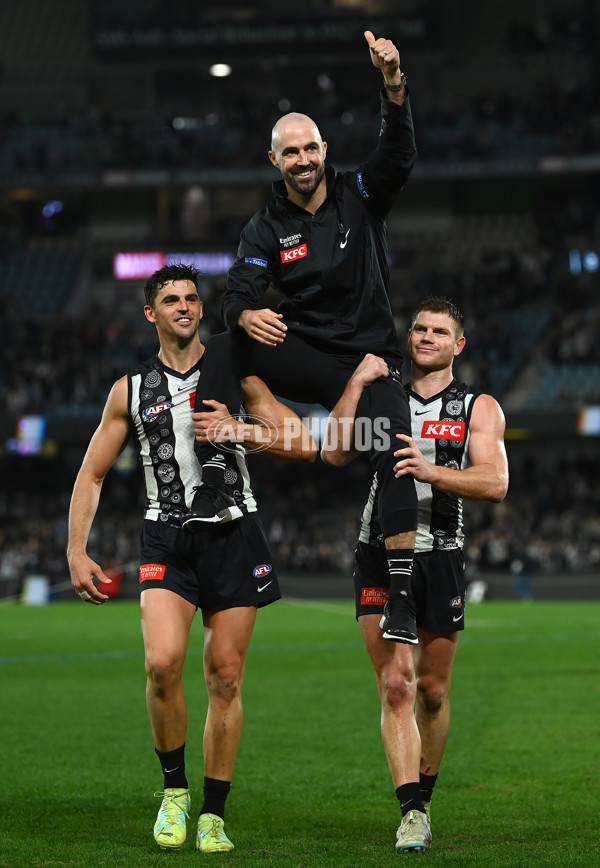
193 122
559 118
521 305
549 521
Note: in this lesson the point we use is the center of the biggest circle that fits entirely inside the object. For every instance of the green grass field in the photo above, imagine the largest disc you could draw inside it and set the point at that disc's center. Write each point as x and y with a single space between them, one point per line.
519 783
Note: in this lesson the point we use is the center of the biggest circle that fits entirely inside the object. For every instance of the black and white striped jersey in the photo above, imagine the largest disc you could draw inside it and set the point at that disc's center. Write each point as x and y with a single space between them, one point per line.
440 427
161 403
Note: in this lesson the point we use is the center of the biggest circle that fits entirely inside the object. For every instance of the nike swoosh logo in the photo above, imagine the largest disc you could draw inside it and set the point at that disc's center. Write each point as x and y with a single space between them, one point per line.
421 412
168 771
181 388
264 586
457 617
345 241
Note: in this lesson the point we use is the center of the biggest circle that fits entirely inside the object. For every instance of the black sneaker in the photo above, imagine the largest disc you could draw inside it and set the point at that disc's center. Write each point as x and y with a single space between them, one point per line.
398 621
210 506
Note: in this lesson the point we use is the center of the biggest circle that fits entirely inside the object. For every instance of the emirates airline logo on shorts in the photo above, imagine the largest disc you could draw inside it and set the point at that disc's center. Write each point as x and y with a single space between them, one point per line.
374 596
152 572
294 253
446 430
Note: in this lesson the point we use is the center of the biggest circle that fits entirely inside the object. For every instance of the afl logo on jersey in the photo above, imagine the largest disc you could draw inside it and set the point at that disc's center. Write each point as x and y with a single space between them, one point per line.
262 570
155 410
456 603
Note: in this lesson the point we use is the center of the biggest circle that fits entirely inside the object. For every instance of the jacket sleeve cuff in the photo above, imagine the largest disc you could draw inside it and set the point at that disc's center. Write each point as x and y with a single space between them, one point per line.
231 313
392 109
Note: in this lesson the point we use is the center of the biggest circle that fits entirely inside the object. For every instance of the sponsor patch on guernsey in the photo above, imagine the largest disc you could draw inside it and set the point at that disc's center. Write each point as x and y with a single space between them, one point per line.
361 186
253 260
155 572
444 430
294 253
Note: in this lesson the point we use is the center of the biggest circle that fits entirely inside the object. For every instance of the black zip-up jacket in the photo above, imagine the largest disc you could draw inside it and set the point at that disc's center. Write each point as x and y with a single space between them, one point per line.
332 266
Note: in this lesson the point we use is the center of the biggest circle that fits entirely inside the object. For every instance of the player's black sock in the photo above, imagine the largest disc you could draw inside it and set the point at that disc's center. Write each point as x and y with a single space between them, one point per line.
215 796
172 763
213 471
409 796
400 564
427 783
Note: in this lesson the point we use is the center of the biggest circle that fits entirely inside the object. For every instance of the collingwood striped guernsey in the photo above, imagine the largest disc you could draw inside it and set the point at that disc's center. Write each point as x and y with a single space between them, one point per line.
440 427
161 403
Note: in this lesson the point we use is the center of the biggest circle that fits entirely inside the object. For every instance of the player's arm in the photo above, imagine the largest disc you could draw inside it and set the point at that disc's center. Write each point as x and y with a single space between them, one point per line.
387 168
274 427
290 439
107 443
247 280
338 443
385 57
487 476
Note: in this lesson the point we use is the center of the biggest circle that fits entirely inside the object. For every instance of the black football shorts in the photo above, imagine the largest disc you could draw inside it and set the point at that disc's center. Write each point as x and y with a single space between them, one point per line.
222 567
438 586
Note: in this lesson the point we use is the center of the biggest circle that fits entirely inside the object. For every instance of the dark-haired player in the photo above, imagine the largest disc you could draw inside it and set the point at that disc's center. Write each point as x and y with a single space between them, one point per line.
225 570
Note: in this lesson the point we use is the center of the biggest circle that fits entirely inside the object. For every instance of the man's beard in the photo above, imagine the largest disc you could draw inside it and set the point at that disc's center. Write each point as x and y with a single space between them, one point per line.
306 190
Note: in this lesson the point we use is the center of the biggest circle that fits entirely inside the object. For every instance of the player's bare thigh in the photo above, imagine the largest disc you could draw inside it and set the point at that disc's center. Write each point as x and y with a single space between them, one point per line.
434 655
383 653
166 621
227 634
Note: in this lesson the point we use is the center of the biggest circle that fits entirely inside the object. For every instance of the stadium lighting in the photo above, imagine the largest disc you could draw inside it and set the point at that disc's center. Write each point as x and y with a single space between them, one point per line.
51 208
220 70
590 261
583 260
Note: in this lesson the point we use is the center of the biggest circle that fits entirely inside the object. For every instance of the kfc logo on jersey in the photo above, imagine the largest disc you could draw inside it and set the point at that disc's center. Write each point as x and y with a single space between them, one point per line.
262 570
444 430
155 410
294 253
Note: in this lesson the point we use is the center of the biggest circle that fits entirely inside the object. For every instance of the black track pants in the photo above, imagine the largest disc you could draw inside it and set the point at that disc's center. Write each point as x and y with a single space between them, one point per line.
299 372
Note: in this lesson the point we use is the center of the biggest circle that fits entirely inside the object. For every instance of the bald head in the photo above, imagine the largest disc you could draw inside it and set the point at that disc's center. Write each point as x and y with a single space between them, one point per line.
291 126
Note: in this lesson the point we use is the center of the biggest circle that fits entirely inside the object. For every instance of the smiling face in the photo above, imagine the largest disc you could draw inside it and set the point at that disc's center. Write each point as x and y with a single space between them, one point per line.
433 341
176 312
298 151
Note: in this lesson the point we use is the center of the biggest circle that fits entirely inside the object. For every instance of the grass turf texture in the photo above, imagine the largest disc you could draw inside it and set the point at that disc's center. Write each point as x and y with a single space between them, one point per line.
519 783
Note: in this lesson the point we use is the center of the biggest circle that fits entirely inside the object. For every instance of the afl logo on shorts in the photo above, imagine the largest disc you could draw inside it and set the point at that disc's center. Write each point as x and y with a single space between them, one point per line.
262 570
456 603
